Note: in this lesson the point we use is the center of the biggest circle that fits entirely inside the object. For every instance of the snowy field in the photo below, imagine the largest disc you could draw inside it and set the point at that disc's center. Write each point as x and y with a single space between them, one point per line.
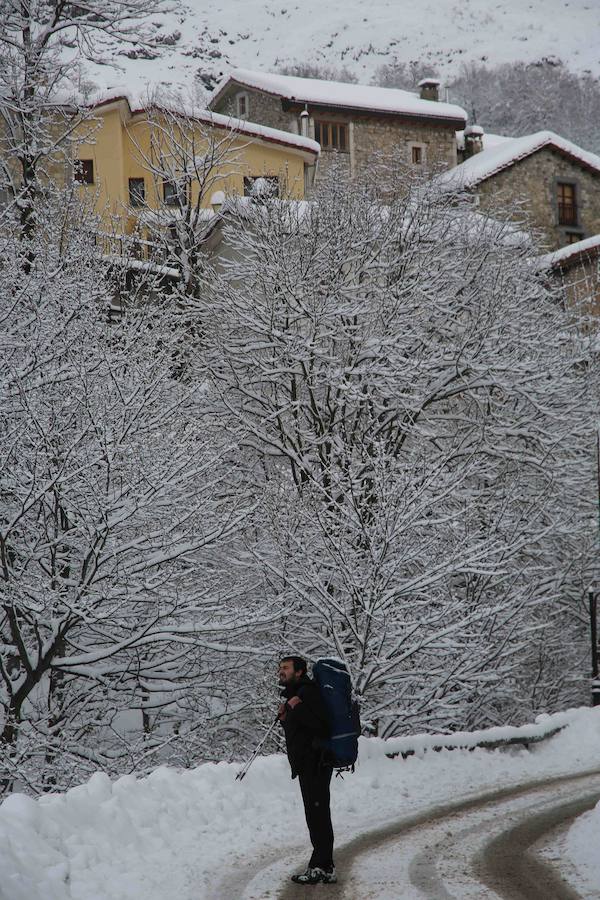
179 833
213 36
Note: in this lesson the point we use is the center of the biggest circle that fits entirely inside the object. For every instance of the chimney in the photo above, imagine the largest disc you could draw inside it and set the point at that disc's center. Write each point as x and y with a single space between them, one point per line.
304 122
430 89
473 140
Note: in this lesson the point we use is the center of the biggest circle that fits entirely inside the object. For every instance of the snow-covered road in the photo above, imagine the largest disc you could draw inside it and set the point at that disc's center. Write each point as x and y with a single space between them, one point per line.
199 834
483 847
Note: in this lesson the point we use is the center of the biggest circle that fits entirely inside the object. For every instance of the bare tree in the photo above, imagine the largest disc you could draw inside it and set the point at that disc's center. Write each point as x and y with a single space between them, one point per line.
42 45
417 426
189 156
119 509
405 76
520 98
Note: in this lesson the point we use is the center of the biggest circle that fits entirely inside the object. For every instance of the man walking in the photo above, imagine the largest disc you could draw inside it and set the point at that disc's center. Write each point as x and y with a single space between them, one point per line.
304 721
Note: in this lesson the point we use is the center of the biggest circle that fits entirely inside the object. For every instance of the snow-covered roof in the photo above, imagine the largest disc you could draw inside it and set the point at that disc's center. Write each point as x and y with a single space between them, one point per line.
252 129
315 91
571 254
141 265
505 153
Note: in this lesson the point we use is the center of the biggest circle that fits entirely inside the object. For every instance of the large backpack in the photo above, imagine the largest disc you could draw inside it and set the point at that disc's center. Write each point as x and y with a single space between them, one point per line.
333 678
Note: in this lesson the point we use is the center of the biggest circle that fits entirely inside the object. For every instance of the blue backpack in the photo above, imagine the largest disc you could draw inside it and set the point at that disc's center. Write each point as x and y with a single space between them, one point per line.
333 678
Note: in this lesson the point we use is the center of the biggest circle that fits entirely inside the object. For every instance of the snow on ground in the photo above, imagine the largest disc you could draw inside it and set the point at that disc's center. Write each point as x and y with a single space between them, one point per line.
581 848
176 833
213 36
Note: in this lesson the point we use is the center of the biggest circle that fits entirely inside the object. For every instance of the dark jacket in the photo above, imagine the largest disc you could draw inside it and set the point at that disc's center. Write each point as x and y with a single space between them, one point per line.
303 726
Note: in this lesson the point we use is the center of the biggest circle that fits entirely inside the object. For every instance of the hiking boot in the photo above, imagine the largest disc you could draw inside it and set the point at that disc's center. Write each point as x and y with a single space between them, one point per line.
329 876
311 876
316 876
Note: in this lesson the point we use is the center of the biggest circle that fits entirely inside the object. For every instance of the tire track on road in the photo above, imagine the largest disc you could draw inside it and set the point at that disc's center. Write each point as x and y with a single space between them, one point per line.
349 855
508 862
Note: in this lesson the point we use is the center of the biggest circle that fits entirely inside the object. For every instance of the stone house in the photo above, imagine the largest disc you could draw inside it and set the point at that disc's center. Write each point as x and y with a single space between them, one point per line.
555 182
352 123
576 267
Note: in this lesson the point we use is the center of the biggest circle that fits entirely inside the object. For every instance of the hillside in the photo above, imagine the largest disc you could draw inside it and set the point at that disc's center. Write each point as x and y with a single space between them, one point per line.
208 37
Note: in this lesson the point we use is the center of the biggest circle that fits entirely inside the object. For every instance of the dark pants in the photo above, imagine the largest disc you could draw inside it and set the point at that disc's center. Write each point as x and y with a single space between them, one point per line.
315 794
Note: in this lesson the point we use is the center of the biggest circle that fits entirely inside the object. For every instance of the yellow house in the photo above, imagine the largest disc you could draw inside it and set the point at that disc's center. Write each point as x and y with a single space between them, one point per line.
142 167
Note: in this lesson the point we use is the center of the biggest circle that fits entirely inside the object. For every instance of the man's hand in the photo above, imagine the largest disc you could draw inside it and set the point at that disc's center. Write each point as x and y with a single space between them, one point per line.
293 701
281 712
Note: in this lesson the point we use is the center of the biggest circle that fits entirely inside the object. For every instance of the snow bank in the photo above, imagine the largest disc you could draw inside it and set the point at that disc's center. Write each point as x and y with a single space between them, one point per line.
544 726
582 849
176 833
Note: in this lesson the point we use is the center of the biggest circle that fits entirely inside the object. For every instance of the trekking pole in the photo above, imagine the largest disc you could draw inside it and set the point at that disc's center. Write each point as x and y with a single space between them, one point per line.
241 774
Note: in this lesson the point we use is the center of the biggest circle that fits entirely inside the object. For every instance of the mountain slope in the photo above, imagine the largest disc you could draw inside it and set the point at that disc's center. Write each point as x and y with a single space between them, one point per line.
209 37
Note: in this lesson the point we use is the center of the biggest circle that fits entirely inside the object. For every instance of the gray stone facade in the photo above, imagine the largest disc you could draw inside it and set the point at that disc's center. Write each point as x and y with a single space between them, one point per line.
533 182
370 136
581 284
578 275
263 108
395 137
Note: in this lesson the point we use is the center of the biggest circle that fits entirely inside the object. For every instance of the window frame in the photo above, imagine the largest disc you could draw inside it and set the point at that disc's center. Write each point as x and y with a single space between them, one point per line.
84 171
134 202
330 125
575 235
240 97
414 145
564 217
170 192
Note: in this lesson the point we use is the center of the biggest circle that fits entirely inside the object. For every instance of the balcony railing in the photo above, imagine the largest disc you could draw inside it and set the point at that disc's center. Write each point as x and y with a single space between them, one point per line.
130 246
567 214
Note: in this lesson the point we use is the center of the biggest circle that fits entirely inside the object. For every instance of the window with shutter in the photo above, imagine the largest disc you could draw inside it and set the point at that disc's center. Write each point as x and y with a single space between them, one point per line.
332 135
567 203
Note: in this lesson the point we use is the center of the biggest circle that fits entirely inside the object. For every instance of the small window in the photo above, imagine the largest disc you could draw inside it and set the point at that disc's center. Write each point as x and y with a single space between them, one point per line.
261 187
332 135
137 192
567 204
573 237
416 155
84 171
170 193
242 105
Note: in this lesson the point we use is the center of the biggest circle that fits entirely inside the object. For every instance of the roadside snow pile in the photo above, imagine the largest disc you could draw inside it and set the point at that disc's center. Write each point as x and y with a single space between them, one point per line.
582 849
183 833
544 727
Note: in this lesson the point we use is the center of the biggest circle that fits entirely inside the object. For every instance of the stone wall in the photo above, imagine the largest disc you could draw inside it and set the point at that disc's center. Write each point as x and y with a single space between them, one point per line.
533 181
581 284
394 137
372 137
264 109
369 136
